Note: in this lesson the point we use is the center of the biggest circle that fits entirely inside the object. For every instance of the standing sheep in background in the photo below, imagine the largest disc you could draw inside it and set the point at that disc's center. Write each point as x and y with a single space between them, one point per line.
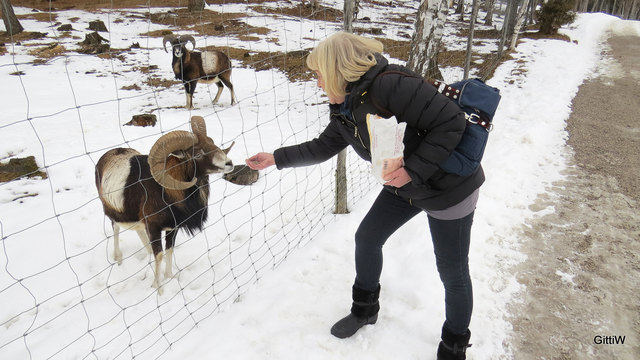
167 190
191 66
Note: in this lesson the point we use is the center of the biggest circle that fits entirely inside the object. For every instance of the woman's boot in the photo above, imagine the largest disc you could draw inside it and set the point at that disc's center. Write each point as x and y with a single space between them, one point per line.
364 311
452 346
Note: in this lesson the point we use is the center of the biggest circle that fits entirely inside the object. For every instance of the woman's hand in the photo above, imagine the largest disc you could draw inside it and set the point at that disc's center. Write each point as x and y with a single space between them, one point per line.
260 161
398 178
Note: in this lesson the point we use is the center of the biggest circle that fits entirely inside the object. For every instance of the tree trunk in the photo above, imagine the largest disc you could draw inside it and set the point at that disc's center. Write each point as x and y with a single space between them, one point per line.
531 13
349 11
472 23
582 6
488 7
10 20
425 43
196 5
505 28
512 10
633 12
341 203
520 20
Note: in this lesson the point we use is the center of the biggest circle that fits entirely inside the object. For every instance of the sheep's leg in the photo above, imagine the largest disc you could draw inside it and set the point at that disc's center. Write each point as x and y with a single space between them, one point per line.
220 87
190 88
227 81
142 233
156 278
117 254
155 234
189 105
170 239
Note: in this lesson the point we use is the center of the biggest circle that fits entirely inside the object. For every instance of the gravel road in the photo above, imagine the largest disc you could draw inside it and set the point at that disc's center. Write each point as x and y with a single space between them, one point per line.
582 275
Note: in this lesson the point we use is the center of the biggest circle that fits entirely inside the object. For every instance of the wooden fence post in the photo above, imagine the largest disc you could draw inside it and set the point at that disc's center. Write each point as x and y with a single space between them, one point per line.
341 162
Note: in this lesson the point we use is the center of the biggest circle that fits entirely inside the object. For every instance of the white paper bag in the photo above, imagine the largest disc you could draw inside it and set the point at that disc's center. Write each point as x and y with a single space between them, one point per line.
386 145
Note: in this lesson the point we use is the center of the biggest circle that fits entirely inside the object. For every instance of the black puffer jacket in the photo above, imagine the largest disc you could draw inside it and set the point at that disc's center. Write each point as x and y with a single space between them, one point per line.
434 127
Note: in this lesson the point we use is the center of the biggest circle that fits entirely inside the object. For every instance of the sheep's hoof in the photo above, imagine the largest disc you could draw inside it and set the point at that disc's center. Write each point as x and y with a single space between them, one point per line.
156 285
118 258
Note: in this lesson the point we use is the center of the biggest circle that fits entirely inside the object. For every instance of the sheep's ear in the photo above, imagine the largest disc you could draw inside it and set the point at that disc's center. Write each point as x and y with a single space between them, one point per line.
226 151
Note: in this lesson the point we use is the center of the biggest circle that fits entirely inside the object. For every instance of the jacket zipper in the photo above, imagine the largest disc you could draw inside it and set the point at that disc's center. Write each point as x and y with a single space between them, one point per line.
356 134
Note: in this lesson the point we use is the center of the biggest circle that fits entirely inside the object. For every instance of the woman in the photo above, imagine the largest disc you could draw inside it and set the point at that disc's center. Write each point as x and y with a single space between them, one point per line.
358 80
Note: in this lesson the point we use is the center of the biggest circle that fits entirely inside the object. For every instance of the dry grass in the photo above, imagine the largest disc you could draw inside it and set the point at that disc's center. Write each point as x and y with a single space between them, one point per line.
39 16
395 48
23 36
291 63
536 35
48 51
160 82
208 23
44 5
303 11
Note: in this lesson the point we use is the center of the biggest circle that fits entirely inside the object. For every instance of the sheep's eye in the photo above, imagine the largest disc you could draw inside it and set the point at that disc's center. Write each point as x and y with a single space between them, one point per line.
199 155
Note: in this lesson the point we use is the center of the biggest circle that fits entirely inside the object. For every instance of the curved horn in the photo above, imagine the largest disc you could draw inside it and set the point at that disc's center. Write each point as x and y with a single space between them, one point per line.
166 144
199 127
190 38
169 38
226 151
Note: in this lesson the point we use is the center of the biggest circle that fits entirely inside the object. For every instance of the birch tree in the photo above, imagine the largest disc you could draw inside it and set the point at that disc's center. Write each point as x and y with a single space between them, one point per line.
10 20
522 14
425 42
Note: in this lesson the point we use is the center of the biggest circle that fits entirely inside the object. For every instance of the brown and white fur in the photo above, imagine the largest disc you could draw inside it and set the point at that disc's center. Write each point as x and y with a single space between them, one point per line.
167 190
190 66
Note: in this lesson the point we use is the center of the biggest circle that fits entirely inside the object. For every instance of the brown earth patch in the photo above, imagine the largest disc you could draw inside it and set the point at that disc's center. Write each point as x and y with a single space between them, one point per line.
583 265
303 11
21 167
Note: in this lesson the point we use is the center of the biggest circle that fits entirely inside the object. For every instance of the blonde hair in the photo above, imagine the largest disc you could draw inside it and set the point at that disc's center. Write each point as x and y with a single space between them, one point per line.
341 58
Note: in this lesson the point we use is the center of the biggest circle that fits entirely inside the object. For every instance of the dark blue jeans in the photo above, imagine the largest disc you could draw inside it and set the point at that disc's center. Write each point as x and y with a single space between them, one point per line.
450 238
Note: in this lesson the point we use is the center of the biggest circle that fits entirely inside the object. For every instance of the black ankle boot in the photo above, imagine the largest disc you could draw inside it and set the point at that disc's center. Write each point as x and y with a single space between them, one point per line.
364 311
452 346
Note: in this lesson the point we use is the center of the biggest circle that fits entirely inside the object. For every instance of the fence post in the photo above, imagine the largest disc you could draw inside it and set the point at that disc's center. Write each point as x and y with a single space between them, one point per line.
341 162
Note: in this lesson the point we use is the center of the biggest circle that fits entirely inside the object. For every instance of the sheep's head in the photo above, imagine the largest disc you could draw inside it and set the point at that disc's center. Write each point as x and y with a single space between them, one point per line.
194 146
178 43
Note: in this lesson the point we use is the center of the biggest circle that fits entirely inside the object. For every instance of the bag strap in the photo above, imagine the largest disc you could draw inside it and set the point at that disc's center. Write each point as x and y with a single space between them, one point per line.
473 117
446 90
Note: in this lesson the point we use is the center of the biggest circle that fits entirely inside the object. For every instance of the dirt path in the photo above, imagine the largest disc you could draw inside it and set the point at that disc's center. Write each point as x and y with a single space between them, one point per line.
582 275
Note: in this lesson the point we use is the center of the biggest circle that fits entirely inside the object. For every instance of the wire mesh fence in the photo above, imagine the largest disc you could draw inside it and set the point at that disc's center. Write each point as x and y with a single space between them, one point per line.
66 102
